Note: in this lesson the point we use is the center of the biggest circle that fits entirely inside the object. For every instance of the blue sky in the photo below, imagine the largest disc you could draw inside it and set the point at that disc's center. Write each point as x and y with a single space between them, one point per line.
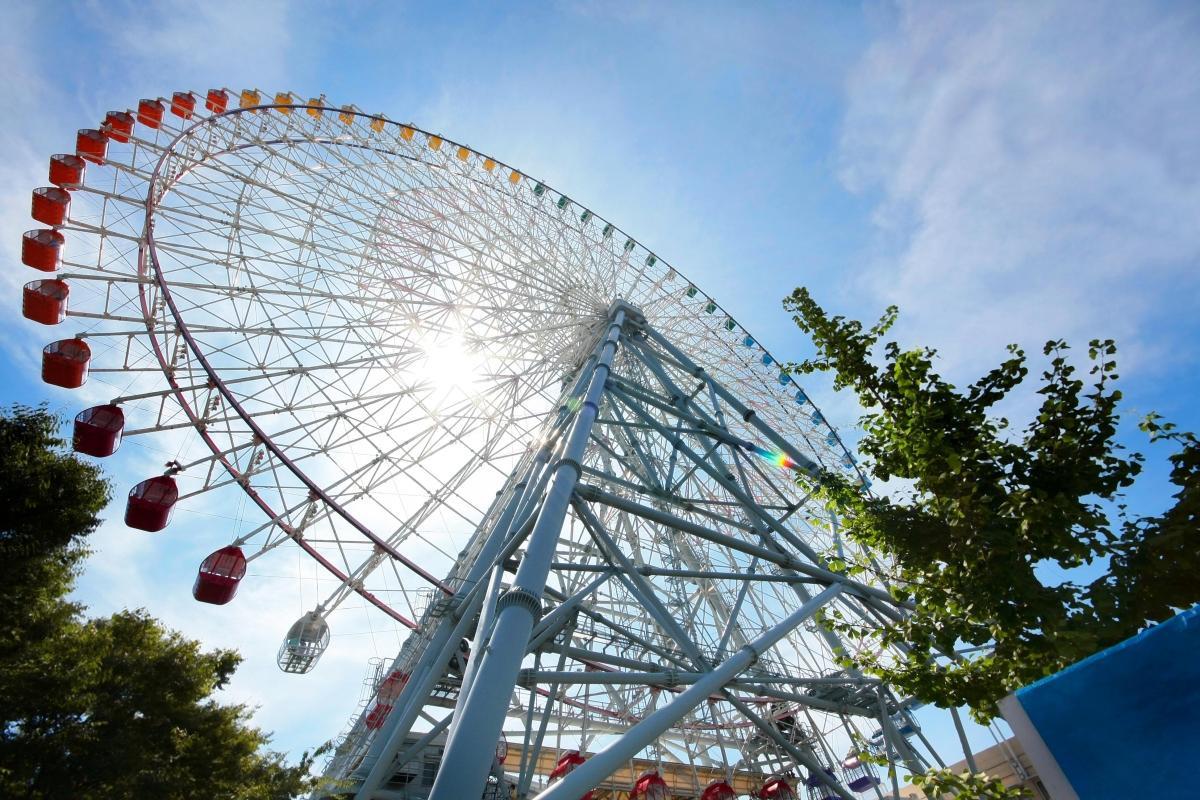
1003 172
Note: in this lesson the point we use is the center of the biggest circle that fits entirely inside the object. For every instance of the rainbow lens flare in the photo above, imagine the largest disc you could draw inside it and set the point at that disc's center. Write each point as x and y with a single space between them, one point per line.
775 457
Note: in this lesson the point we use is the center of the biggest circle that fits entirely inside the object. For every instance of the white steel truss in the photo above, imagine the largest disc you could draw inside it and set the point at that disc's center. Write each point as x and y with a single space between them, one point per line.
370 329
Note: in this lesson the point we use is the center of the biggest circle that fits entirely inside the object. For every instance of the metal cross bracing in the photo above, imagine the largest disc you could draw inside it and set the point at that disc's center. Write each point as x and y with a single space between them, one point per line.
280 283
370 328
675 560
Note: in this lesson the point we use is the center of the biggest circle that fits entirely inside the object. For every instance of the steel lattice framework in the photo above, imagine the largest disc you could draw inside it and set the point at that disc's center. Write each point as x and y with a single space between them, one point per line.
506 424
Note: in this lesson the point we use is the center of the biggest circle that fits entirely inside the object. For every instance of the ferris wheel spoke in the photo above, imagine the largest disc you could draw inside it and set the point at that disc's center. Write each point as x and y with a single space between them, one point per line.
343 409
325 214
510 267
289 463
371 329
362 489
132 207
326 511
302 293
268 258
496 244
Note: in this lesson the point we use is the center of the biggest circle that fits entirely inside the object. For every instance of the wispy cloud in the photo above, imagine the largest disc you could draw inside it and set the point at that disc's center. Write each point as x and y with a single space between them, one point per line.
1037 174
26 94
1034 172
180 41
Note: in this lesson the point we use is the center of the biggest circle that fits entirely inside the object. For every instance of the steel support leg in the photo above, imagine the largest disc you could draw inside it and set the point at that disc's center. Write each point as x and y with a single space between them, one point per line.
431 664
424 678
480 713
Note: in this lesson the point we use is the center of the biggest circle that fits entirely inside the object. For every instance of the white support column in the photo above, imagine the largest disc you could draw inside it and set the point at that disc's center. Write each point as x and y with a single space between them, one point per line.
480 713
429 667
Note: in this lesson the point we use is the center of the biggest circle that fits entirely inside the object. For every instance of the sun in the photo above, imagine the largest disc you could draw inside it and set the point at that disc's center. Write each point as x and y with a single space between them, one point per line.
451 365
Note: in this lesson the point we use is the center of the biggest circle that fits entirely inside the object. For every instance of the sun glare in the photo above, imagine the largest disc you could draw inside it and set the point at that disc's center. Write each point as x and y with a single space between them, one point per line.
451 365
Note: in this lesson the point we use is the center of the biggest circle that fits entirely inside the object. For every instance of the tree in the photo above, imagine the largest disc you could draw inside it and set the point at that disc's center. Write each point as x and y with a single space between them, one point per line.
51 501
115 707
990 508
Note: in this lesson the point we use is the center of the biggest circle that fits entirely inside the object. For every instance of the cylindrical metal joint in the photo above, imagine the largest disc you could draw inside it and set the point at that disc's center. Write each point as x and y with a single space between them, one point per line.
522 598
570 462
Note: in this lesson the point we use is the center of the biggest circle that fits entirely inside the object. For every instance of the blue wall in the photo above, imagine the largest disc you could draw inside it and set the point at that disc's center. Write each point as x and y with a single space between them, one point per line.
1125 722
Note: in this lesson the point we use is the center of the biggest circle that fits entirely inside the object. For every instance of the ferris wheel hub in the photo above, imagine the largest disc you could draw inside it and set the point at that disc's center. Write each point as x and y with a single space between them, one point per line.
367 328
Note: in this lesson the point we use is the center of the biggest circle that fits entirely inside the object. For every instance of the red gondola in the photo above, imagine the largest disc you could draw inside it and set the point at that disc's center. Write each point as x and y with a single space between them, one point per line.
377 715
183 104
216 101
91 145
219 575
66 170
650 786
45 301
718 790
98 431
51 205
389 690
42 249
150 503
118 126
150 113
776 788
385 698
65 363
501 749
567 763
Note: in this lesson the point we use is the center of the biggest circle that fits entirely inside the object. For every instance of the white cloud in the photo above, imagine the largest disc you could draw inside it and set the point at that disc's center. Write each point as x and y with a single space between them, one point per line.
25 95
180 41
1012 149
1038 174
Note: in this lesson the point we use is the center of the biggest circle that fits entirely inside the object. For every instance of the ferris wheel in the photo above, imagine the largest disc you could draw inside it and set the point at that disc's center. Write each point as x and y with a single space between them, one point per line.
495 416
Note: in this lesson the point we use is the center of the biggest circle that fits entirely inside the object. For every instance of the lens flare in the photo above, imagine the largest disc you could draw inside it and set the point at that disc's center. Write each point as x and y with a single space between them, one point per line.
774 456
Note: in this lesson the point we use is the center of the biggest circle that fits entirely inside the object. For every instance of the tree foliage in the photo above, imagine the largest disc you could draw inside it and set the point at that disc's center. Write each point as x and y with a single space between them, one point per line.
50 502
992 511
964 785
115 707
945 782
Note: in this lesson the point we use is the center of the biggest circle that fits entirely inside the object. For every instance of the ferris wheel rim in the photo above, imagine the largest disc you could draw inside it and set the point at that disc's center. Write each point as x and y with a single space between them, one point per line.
148 258
219 383
452 229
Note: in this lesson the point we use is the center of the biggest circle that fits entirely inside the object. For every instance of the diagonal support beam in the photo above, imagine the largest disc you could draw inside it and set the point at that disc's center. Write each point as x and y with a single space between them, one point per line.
595 494
590 774
801 757
806 464
481 713
637 584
